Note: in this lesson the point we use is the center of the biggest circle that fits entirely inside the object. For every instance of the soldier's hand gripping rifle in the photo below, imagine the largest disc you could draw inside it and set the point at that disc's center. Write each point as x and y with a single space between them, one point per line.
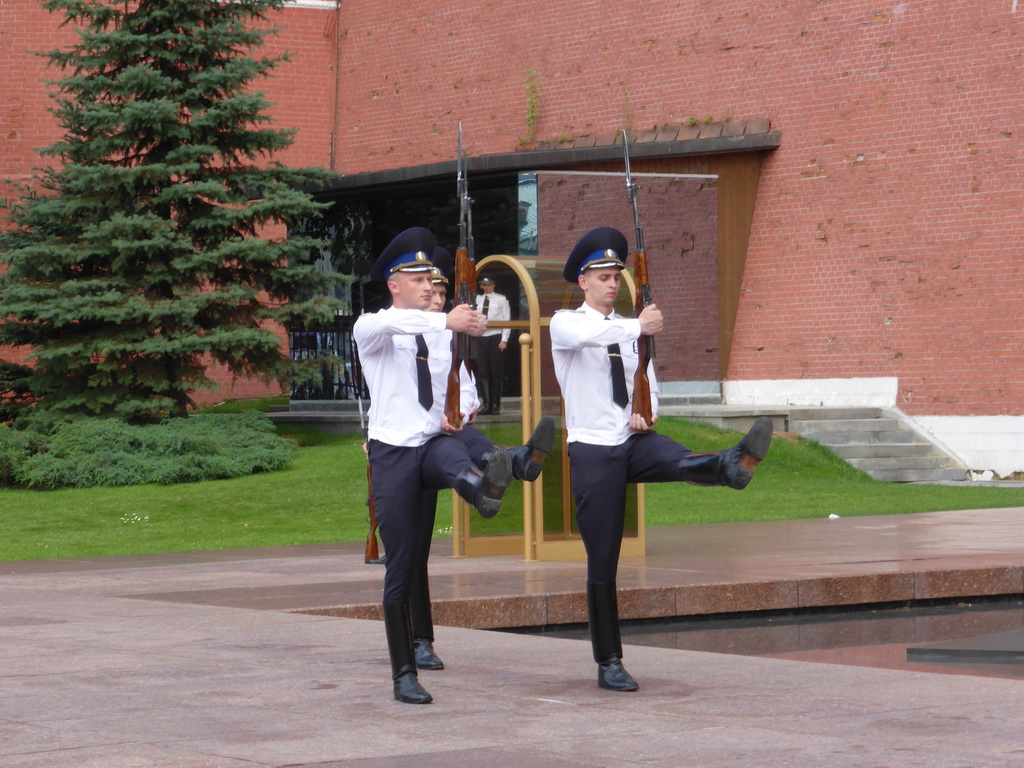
645 344
465 283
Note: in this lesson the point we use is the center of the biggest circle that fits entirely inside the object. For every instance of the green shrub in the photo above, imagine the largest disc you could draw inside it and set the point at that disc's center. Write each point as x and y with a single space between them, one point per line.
15 446
108 452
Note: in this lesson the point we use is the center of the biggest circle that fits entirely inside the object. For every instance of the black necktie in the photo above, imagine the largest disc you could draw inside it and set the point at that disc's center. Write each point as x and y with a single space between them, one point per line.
487 303
426 391
619 396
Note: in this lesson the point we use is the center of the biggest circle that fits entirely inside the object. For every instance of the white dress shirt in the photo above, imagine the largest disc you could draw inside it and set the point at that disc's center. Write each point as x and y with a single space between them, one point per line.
579 347
498 309
386 341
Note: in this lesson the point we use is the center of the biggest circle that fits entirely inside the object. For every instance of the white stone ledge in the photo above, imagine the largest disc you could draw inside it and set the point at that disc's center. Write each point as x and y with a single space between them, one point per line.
833 393
989 445
319 5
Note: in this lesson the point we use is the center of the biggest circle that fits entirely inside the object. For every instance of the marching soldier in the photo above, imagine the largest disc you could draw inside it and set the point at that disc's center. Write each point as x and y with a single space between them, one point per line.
595 360
405 352
527 463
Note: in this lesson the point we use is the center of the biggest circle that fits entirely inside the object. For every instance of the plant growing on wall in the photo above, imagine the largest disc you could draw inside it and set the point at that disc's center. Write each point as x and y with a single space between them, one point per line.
532 106
136 262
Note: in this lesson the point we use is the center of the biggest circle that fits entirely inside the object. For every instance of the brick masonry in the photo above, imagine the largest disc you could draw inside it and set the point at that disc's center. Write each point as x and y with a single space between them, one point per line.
887 235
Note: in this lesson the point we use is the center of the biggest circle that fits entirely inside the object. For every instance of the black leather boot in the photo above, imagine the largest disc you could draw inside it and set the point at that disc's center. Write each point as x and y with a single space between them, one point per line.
425 656
603 616
528 460
495 398
484 390
403 661
422 622
483 490
734 467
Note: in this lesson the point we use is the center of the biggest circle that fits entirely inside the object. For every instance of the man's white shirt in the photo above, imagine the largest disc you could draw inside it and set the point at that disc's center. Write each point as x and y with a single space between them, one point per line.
579 348
386 341
498 310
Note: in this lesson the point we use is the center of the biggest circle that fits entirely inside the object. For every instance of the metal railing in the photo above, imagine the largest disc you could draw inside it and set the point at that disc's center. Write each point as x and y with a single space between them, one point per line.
342 374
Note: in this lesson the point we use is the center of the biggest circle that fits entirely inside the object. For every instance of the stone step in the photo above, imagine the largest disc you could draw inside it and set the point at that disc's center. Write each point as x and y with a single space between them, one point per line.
875 465
815 414
804 426
919 475
688 400
876 441
845 438
887 451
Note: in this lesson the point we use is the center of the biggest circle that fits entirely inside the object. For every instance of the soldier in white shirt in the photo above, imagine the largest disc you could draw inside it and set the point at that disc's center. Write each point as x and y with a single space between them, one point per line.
595 358
527 463
490 349
405 352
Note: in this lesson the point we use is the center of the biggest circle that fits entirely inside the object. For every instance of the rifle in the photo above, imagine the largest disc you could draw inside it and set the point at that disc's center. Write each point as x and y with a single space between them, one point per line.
465 282
372 553
645 344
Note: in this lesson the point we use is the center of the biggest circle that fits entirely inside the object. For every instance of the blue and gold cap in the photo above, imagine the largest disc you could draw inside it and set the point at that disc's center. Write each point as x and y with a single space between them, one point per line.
600 247
442 260
409 252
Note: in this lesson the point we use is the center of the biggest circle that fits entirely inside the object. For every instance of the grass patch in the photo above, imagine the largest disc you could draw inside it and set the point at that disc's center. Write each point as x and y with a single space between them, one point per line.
802 479
321 495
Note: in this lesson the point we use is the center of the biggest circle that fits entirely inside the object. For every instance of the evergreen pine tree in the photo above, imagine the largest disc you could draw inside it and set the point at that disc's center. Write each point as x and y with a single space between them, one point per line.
136 263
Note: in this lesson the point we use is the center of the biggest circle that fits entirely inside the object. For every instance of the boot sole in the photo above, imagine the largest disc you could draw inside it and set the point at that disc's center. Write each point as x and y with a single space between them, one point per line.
542 440
624 689
497 478
410 700
757 442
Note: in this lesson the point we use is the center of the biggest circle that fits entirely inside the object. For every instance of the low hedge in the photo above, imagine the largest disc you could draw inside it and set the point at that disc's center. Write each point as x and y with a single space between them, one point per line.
108 452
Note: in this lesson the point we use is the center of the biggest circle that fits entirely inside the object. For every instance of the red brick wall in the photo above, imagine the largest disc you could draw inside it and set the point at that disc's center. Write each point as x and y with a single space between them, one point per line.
681 236
24 122
302 92
888 229
888 225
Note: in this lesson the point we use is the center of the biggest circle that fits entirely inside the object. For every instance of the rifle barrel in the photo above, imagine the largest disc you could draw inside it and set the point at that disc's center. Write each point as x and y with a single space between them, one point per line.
642 403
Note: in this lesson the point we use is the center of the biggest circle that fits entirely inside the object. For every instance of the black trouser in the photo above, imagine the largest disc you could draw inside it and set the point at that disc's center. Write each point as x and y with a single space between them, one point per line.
478 445
600 474
419 597
400 477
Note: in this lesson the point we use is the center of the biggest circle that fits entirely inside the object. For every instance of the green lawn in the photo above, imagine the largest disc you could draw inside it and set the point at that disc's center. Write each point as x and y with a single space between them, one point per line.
321 498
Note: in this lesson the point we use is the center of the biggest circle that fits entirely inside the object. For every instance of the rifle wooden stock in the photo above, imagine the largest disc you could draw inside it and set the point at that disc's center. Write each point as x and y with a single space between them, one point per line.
642 404
453 397
465 273
372 553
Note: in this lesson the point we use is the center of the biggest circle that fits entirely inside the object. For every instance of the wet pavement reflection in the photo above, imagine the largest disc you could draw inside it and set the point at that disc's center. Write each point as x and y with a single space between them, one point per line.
867 637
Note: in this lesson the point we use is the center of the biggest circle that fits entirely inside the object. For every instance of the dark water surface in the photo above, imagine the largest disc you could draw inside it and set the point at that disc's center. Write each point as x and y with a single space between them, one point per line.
862 636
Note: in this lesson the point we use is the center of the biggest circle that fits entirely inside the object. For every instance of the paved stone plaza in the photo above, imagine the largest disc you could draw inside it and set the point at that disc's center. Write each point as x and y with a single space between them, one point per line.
202 660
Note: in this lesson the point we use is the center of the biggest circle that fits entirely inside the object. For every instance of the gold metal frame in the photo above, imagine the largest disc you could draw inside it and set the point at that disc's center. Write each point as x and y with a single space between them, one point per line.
532 542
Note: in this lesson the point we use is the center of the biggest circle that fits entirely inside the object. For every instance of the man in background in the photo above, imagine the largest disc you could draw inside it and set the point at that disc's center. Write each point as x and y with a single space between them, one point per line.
490 357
